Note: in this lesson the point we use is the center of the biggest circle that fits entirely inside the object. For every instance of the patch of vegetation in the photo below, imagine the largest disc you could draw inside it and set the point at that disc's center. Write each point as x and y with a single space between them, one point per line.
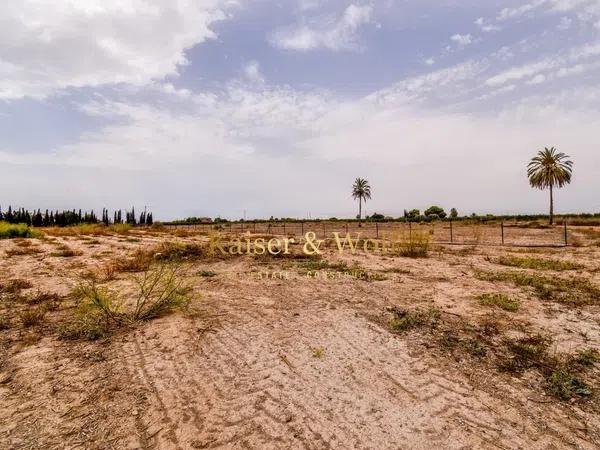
4 323
414 244
33 316
160 290
21 230
321 264
529 262
585 358
565 386
23 251
526 352
575 291
404 320
64 251
317 352
499 300
207 273
14 286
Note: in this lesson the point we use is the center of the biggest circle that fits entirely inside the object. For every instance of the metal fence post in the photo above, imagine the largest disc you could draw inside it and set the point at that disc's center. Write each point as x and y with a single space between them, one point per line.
502 227
302 228
377 230
566 234
451 232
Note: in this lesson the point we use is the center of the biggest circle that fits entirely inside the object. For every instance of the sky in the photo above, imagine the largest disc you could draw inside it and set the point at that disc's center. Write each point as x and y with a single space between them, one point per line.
258 108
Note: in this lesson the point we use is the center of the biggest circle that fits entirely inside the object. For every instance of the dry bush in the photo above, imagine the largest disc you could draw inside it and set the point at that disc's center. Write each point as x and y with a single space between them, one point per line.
64 251
23 251
14 286
160 290
412 244
33 316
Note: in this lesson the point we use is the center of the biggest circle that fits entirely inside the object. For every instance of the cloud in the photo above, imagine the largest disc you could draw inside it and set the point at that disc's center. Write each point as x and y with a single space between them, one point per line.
50 46
462 39
252 72
486 27
327 32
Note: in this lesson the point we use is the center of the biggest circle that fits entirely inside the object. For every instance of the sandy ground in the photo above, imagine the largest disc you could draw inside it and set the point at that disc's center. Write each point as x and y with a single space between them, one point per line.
261 362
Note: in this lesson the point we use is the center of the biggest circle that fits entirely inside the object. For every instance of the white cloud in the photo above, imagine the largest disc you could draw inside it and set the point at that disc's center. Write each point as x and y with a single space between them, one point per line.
518 73
564 24
252 72
49 46
430 61
486 27
462 39
511 13
332 33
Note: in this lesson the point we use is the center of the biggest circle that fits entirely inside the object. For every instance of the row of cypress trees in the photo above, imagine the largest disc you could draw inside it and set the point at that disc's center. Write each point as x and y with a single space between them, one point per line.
66 218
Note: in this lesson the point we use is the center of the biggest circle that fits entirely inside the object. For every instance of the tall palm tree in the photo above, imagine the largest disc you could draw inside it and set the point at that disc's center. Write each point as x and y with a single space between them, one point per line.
550 169
361 191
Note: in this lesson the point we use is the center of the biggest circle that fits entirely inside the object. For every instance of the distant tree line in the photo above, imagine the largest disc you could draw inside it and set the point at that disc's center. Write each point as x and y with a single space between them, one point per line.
66 218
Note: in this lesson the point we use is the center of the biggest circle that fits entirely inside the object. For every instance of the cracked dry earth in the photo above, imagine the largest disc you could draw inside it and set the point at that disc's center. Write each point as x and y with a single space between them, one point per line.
293 363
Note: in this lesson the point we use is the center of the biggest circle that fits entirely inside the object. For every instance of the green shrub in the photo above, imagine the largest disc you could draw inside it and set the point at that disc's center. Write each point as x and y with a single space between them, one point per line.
537 263
21 230
565 386
500 300
403 320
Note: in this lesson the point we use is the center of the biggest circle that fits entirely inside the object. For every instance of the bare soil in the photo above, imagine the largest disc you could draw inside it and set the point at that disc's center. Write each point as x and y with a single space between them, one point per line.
268 357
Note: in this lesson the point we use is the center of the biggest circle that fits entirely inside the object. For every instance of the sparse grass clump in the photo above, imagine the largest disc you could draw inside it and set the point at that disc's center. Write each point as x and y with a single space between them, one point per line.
413 244
207 273
33 316
565 386
21 230
404 320
14 286
23 251
317 352
502 301
160 290
575 291
529 262
64 251
89 230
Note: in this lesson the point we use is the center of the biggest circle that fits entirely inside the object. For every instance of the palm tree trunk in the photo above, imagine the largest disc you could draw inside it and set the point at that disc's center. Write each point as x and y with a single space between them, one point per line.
551 206
359 209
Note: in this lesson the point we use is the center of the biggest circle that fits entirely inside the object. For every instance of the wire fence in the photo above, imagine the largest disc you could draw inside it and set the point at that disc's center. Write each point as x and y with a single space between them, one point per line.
447 232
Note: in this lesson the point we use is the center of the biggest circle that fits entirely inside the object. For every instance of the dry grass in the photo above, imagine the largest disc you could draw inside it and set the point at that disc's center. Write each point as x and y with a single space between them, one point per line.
537 263
33 316
89 230
574 291
14 286
159 290
64 251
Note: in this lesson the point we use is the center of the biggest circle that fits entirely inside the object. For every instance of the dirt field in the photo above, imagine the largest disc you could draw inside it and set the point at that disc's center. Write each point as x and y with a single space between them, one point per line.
347 351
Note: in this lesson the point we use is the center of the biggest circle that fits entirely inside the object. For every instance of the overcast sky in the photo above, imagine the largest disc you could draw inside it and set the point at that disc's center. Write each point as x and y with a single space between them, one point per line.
216 107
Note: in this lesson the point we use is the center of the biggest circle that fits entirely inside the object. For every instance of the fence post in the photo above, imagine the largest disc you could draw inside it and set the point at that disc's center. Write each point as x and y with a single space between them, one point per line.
566 234
302 228
377 230
324 234
254 227
346 227
284 228
502 227
410 231
451 232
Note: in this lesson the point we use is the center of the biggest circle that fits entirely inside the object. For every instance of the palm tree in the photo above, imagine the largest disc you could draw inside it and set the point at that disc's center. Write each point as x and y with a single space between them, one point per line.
361 191
550 169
